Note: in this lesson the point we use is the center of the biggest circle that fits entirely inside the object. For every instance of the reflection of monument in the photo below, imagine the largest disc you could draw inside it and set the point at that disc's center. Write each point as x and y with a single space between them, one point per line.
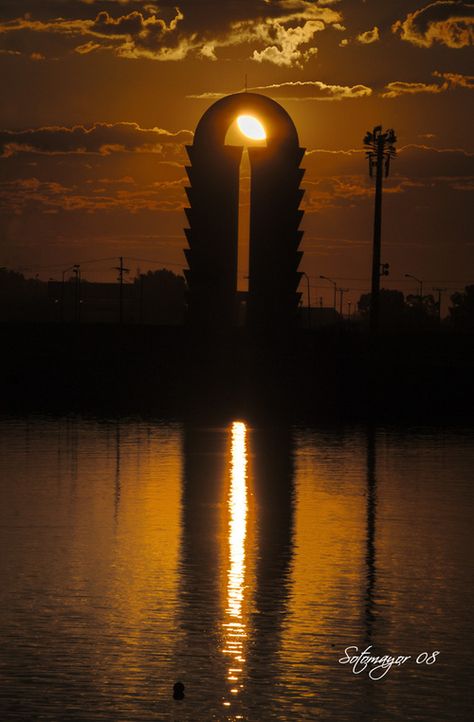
272 471
274 216
236 555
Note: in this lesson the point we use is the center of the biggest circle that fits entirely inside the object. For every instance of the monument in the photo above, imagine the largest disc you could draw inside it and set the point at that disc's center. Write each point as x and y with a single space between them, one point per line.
275 196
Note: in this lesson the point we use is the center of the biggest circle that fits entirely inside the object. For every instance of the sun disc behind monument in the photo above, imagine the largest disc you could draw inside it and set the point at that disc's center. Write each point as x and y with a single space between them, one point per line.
274 215
251 127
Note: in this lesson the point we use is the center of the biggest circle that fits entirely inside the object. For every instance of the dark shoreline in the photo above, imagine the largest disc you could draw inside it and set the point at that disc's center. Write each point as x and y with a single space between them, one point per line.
334 373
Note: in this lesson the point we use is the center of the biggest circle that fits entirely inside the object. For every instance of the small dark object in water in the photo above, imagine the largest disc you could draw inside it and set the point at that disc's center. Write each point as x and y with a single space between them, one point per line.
178 690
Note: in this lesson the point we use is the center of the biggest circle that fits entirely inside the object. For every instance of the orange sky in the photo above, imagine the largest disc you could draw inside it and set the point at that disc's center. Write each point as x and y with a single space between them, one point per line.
99 98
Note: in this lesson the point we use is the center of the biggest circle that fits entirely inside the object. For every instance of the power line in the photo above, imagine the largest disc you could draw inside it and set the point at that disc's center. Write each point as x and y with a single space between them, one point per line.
455 283
155 261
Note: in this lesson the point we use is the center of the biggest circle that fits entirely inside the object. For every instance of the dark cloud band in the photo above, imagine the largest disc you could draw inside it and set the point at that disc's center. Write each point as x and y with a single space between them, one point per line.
101 138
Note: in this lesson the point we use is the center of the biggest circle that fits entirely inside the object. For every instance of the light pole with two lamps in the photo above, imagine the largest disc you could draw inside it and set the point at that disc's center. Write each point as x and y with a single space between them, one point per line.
419 281
325 278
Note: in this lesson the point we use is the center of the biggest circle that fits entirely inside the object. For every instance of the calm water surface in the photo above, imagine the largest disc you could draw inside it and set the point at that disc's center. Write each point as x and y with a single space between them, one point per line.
242 561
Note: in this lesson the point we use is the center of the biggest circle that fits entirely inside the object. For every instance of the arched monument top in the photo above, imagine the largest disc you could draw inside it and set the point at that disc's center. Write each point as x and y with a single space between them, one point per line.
279 127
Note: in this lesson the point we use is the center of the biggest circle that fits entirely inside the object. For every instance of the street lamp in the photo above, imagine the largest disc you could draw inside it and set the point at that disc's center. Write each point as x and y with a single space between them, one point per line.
418 280
309 297
325 278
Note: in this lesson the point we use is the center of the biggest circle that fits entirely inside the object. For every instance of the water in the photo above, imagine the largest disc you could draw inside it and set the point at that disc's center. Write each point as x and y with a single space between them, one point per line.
241 561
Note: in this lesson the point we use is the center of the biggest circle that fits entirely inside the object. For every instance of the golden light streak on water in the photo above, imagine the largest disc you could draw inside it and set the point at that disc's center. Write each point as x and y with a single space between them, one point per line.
235 631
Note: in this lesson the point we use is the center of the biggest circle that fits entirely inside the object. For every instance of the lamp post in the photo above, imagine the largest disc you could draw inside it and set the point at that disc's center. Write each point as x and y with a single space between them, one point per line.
309 298
325 278
380 149
419 281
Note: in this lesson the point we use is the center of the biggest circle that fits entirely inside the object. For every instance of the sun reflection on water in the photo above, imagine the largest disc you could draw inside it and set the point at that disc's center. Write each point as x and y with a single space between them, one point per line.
234 626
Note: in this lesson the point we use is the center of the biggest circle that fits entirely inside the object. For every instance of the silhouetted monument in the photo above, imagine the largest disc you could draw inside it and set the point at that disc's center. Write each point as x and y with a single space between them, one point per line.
274 217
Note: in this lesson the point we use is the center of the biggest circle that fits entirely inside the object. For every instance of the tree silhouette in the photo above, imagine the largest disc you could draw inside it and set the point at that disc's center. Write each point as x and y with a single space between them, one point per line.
396 311
421 309
461 313
161 296
392 306
21 298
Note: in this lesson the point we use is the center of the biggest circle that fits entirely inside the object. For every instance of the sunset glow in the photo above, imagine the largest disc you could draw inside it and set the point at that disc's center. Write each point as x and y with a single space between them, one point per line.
94 168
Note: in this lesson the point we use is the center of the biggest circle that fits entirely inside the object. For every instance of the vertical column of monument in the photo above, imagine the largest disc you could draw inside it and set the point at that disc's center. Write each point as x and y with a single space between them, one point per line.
203 527
212 234
274 237
271 471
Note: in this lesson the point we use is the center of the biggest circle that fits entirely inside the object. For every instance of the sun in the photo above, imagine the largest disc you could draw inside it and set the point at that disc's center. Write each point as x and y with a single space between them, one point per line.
251 127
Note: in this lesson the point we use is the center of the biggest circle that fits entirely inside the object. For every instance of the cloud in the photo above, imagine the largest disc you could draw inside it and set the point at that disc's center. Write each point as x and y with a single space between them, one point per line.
101 138
366 38
449 81
457 80
412 161
284 36
344 191
209 95
281 32
89 47
285 49
445 22
400 87
369 37
102 195
419 160
301 90
131 35
337 179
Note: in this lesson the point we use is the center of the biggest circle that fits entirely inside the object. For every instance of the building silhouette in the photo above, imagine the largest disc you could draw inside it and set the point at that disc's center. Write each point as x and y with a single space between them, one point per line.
275 196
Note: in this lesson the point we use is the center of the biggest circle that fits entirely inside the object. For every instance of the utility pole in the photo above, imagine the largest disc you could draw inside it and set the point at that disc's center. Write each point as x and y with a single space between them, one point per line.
121 270
440 292
76 269
342 291
380 148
